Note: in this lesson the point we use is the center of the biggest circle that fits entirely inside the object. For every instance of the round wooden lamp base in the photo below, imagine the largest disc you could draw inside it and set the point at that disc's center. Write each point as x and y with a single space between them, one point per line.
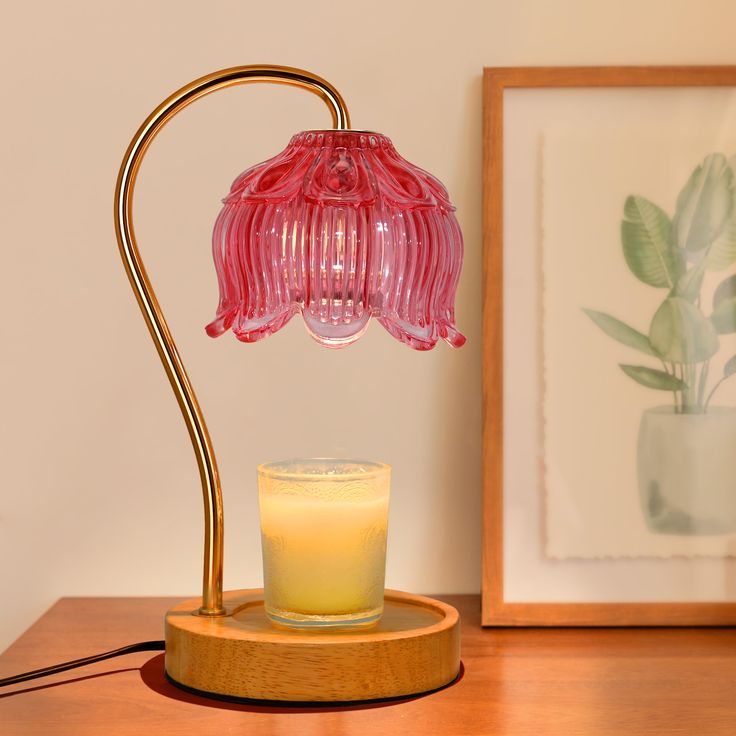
414 648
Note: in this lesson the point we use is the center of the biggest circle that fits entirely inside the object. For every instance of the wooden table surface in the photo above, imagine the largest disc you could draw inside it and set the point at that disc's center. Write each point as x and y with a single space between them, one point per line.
544 682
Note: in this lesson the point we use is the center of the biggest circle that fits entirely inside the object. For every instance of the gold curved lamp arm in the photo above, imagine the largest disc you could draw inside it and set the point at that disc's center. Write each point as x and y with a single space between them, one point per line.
214 521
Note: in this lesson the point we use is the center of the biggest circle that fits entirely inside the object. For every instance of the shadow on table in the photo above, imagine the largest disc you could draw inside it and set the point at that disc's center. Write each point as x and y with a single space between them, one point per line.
154 676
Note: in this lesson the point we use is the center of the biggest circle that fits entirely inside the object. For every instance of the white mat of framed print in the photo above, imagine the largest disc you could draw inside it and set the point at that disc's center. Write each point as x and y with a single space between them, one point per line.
610 346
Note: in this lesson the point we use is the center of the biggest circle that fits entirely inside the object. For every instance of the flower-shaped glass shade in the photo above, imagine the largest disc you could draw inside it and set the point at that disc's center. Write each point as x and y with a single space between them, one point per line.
340 228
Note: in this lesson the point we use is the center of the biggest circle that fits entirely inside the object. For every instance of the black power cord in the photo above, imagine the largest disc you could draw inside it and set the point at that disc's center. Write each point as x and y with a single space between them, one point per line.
143 646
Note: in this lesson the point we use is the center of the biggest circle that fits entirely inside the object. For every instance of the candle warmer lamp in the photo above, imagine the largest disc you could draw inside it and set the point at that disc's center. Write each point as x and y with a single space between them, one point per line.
340 228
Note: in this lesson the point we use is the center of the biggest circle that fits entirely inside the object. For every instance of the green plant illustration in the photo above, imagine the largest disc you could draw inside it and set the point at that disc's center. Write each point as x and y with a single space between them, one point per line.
675 255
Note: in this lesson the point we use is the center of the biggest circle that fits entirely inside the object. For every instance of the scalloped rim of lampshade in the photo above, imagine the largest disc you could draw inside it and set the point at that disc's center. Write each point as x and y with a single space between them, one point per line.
394 326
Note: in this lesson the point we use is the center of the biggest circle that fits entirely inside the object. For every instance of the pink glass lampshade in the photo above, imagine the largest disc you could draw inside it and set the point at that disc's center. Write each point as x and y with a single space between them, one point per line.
340 228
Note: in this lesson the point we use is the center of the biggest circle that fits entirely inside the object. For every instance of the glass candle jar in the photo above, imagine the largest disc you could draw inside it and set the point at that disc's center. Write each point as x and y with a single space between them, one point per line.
323 531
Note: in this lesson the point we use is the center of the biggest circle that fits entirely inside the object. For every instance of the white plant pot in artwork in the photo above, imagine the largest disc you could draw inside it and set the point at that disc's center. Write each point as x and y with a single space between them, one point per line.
687 471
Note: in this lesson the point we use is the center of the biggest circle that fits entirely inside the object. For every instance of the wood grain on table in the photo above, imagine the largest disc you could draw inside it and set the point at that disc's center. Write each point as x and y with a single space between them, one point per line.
516 681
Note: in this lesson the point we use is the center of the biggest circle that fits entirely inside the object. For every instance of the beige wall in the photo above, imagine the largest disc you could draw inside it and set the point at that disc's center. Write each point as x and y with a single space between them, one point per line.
100 492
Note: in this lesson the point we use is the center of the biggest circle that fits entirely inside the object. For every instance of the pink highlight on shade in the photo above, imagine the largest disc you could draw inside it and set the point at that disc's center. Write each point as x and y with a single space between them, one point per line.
340 228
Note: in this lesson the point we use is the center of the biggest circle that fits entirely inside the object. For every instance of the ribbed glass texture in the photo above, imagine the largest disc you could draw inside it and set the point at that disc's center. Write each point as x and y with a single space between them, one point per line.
340 228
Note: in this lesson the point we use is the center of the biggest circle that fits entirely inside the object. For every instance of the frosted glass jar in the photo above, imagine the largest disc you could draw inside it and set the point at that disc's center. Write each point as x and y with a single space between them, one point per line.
324 525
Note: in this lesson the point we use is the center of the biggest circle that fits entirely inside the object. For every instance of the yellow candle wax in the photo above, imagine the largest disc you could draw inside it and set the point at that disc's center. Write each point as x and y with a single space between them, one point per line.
324 557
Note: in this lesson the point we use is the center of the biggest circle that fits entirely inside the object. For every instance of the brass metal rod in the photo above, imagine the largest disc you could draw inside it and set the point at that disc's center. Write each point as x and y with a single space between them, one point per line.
146 297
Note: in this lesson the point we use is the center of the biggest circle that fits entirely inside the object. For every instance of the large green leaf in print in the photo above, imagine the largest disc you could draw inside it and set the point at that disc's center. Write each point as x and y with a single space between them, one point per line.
652 378
705 204
620 331
730 368
725 290
722 252
646 234
681 333
724 306
690 283
724 317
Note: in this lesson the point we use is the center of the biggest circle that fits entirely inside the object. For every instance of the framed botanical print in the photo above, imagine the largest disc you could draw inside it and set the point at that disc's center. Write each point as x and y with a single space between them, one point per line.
609 346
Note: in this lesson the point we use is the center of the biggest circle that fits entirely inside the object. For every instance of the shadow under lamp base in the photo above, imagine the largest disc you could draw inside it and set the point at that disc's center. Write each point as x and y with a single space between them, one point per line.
415 648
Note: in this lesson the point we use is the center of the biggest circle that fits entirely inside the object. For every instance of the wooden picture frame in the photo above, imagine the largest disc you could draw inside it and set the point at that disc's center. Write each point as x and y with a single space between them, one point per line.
497 610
